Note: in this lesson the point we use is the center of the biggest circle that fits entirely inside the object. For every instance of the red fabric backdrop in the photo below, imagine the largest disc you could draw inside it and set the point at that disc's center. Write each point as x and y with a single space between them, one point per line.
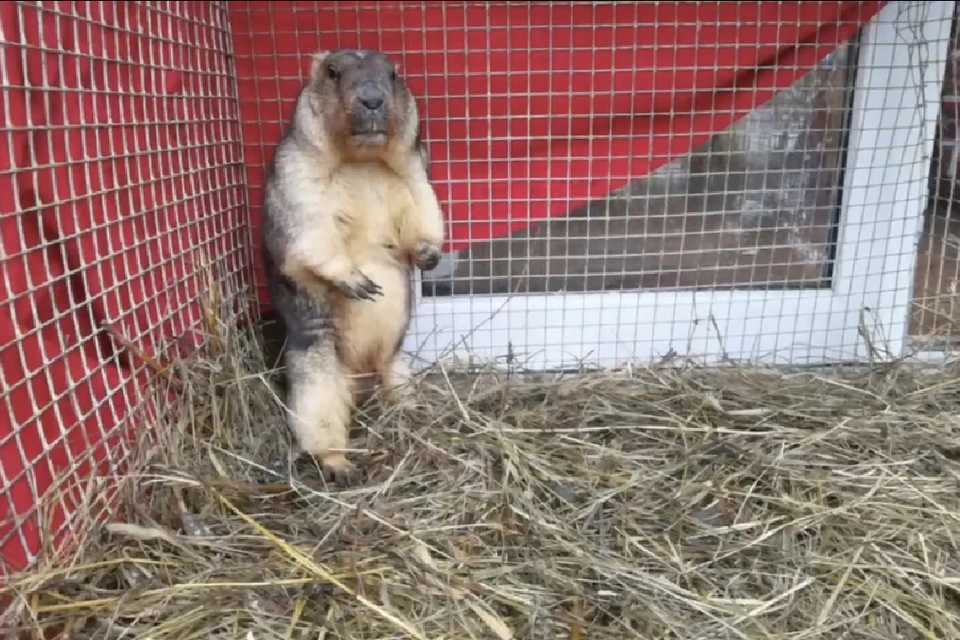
534 108
531 109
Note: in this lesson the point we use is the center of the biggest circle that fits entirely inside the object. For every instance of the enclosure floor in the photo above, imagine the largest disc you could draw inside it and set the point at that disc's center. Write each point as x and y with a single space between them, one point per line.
662 504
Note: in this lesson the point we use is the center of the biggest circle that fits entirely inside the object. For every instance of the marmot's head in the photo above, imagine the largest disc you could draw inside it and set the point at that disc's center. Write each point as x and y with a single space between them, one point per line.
363 103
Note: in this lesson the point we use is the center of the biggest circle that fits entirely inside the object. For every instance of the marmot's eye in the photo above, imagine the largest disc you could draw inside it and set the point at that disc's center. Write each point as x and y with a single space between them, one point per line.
333 73
393 75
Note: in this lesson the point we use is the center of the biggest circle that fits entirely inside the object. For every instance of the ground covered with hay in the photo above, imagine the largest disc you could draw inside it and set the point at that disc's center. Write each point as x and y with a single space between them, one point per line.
655 504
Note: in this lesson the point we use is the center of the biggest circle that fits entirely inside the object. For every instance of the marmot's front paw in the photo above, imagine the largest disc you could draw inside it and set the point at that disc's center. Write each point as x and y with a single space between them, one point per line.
428 256
359 287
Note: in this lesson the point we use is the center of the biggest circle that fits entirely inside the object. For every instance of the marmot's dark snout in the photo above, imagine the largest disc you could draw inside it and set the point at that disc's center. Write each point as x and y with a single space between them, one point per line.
371 96
370 109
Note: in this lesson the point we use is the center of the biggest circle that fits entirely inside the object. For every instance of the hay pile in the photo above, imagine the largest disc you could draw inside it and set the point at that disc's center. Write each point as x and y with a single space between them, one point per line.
669 504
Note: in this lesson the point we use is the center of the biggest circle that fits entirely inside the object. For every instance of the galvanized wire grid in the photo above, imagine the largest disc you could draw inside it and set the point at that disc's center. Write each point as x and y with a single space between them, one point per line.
936 305
123 195
755 208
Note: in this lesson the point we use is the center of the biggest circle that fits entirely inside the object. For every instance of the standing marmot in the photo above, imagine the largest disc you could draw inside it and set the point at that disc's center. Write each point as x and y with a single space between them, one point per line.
348 207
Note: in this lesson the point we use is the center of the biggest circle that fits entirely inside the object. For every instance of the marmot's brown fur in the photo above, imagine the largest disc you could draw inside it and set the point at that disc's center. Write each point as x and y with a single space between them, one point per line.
348 210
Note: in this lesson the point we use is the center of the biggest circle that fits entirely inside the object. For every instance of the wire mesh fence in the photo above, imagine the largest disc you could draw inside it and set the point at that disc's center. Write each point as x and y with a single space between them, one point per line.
122 194
934 312
622 181
634 180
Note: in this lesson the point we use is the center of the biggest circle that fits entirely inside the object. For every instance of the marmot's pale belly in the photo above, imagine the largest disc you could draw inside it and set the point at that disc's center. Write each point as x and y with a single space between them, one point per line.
370 331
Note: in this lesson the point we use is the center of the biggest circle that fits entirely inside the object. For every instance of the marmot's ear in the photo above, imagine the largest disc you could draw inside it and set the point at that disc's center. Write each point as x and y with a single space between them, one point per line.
316 60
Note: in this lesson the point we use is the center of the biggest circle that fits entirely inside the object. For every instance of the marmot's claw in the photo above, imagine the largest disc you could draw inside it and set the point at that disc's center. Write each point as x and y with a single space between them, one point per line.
339 470
360 287
371 287
428 256
352 291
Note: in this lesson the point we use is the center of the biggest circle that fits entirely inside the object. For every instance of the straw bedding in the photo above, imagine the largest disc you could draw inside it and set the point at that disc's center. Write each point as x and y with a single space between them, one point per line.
655 503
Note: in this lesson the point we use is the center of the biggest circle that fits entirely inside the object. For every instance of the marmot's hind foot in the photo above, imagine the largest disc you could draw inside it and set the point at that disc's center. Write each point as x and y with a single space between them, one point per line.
397 380
337 469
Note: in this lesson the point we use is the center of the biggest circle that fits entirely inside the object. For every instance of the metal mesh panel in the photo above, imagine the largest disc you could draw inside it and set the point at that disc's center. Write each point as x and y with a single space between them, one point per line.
715 180
935 311
122 193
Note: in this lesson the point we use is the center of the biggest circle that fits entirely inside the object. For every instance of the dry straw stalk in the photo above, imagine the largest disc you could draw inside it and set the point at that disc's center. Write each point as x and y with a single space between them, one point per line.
664 503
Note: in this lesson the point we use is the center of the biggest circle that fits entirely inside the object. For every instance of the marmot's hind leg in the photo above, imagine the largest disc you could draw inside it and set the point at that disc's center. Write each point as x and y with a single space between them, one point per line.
397 379
320 401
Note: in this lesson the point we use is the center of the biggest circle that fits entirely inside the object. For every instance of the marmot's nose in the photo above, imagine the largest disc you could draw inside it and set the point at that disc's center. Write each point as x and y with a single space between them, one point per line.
372 103
371 97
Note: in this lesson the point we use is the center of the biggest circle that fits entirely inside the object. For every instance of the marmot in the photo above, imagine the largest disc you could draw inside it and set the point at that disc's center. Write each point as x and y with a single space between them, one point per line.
348 210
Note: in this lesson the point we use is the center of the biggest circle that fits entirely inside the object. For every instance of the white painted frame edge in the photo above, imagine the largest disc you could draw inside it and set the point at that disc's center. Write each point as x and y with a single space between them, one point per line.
896 104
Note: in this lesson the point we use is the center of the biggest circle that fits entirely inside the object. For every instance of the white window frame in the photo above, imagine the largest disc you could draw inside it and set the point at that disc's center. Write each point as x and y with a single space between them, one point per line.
884 195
